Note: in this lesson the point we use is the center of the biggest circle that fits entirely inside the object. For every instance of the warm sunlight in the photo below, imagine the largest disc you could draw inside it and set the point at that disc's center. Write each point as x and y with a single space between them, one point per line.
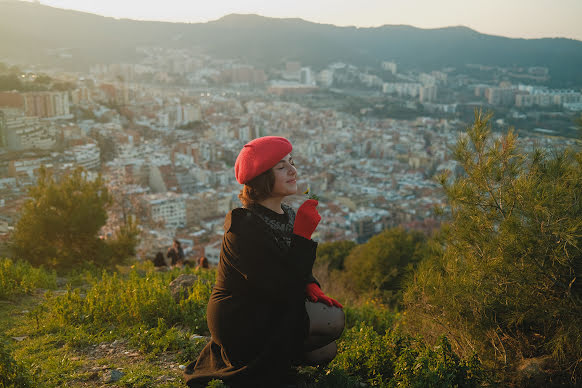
517 18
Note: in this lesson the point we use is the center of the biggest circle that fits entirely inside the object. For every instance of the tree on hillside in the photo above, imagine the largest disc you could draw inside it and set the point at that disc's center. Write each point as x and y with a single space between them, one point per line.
59 224
332 254
503 281
378 267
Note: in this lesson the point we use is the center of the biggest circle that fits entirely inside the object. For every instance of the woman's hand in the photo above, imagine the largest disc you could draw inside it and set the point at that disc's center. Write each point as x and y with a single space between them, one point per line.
315 294
307 219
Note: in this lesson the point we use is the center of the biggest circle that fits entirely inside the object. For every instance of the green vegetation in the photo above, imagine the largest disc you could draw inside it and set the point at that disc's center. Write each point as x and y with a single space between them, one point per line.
59 224
131 309
19 277
378 267
12 78
492 298
12 373
503 278
396 360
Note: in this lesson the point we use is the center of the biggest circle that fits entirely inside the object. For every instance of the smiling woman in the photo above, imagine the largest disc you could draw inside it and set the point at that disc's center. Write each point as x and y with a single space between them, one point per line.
266 311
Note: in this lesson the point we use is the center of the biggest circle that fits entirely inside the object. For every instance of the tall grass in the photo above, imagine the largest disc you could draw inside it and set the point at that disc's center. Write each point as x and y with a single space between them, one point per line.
19 277
137 306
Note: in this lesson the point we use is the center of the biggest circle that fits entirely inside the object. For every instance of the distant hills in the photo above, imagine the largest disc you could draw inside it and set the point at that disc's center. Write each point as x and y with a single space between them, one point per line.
28 32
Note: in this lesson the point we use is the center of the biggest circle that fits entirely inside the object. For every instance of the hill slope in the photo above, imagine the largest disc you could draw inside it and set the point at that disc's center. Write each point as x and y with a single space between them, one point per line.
29 30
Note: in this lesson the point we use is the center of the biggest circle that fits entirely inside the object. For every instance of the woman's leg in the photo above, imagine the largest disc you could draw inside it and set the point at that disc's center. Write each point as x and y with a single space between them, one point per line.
326 324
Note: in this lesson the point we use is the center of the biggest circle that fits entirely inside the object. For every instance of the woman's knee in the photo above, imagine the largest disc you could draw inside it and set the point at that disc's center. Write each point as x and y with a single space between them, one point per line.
338 323
325 320
322 355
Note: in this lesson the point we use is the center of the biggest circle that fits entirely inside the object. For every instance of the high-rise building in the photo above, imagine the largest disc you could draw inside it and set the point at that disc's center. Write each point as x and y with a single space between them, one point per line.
390 66
2 129
428 93
21 132
46 104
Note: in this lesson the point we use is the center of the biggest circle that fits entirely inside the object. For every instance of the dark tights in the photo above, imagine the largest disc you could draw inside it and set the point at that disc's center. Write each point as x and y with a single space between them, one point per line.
326 325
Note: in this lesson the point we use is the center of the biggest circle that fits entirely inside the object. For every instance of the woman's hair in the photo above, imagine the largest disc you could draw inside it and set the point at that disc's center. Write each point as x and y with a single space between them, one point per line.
203 262
258 188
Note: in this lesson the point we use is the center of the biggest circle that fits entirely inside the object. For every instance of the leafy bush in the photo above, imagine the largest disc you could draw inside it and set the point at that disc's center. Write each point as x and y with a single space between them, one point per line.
371 313
503 279
332 254
19 277
12 373
379 267
394 359
59 224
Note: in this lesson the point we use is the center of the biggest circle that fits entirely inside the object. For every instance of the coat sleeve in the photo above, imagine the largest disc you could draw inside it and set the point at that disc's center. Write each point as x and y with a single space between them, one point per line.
264 267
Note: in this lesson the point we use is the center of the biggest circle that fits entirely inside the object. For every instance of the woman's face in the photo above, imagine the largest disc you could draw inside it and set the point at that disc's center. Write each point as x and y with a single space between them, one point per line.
285 177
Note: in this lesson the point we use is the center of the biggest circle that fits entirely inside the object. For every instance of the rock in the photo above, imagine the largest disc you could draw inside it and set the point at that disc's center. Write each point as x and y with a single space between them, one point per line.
111 376
179 287
195 337
533 371
182 367
20 339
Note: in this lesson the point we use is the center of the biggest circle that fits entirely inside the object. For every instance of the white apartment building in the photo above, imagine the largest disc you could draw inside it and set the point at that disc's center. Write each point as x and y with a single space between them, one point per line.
28 132
325 78
548 97
428 93
26 166
169 208
87 156
390 66
411 89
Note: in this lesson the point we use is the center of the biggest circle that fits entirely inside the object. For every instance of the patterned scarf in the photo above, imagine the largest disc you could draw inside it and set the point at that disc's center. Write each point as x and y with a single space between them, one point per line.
279 225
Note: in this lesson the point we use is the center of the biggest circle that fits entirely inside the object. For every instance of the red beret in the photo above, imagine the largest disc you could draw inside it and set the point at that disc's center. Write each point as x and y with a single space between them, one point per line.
259 155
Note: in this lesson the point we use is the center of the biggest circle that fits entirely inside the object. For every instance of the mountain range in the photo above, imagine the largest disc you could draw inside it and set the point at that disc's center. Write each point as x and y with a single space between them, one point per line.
30 33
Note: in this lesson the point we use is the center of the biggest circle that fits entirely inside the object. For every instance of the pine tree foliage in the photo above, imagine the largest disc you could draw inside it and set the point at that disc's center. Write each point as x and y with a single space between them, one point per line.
503 279
59 224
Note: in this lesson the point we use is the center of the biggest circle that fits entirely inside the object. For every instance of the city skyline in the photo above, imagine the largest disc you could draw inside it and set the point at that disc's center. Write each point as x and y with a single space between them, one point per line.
516 19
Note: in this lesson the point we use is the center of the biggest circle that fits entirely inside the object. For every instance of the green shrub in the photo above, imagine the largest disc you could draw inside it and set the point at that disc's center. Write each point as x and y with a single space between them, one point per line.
60 222
503 277
394 359
365 353
379 267
371 313
12 373
19 277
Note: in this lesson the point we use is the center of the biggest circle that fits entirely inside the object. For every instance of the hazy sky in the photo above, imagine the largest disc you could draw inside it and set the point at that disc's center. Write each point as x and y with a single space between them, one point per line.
513 18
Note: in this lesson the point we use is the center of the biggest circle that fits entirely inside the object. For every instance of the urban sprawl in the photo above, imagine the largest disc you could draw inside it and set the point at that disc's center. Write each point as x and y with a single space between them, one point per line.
164 134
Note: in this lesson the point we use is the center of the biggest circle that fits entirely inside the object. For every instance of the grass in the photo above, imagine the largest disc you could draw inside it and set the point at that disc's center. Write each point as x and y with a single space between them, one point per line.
127 321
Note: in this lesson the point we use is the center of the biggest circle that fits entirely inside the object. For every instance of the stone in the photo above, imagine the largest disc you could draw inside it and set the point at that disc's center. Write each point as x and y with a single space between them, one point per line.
179 287
20 339
533 371
111 376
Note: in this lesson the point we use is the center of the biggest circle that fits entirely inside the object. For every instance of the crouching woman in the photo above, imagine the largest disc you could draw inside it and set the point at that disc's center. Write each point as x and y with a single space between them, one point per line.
266 312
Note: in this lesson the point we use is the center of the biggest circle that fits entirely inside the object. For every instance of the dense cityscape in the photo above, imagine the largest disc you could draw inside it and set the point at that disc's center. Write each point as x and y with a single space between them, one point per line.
164 134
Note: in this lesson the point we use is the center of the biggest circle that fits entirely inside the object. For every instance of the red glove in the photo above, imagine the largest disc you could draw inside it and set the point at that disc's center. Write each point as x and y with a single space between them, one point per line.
315 294
306 219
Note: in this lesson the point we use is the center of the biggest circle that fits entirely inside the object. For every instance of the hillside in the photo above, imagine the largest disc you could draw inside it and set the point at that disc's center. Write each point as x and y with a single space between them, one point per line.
31 30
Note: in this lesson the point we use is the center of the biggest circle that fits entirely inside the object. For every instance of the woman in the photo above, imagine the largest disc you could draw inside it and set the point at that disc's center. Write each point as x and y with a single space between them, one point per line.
176 254
258 316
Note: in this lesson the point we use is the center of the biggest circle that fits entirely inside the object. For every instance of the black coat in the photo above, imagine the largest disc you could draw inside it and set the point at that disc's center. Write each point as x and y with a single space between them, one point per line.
256 313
